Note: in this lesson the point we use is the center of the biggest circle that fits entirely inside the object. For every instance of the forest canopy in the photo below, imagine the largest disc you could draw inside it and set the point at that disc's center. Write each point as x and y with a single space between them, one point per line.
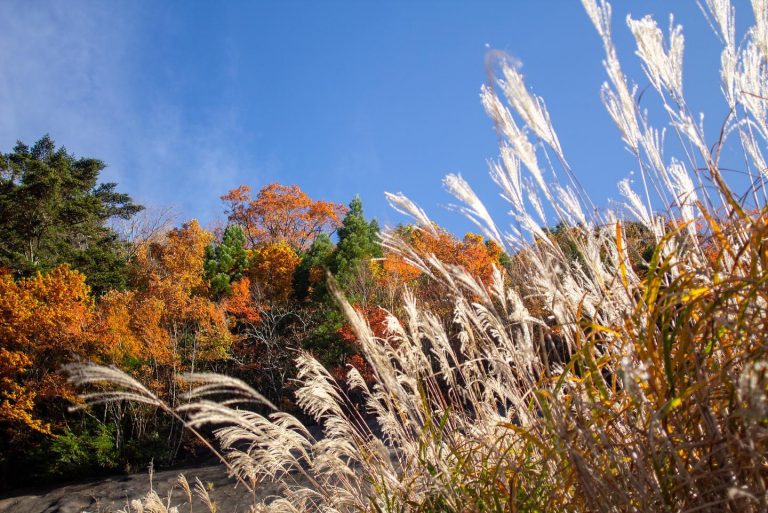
241 299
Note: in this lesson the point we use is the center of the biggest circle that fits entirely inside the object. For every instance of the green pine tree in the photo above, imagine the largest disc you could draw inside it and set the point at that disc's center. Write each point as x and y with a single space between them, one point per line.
358 243
318 257
226 261
54 211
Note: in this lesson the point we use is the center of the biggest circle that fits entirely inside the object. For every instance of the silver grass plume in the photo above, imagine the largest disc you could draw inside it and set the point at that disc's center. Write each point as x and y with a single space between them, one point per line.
494 386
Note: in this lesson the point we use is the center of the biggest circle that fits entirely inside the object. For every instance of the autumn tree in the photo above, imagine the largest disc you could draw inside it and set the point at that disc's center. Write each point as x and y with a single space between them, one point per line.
242 302
165 325
281 213
54 211
266 354
376 318
272 268
167 318
476 255
43 324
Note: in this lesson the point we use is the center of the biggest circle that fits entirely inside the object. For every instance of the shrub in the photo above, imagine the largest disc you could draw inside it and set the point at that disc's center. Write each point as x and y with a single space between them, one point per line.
81 453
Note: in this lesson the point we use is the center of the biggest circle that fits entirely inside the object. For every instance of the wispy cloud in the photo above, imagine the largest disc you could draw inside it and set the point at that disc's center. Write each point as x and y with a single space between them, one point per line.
77 70
63 71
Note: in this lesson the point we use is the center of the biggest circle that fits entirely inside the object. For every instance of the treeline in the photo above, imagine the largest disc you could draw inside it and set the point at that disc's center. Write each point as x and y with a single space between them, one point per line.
243 299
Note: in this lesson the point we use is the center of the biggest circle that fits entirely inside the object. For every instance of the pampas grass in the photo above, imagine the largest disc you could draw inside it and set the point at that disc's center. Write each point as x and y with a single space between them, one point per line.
593 383
153 503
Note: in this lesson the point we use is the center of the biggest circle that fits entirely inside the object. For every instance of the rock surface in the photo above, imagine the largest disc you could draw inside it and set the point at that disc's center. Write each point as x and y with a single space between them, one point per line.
113 493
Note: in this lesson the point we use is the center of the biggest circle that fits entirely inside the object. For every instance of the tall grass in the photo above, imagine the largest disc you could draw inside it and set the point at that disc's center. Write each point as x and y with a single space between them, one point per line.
597 382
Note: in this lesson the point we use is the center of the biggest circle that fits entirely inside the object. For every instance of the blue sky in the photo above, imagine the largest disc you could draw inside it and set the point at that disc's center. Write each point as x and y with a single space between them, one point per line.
186 100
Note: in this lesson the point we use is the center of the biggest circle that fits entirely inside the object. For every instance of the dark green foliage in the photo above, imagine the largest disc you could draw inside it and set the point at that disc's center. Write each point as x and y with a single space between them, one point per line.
565 237
318 257
54 211
226 261
153 447
504 259
358 243
323 340
639 243
90 448
86 448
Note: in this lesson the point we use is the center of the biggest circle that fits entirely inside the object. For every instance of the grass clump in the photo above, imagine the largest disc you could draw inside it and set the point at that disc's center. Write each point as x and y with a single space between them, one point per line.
618 365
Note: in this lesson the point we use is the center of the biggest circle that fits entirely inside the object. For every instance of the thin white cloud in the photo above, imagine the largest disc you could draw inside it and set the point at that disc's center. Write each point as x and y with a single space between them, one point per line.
61 71
74 70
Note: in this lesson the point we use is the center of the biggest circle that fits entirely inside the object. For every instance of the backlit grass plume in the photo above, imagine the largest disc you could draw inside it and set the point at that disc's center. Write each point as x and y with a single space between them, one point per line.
588 376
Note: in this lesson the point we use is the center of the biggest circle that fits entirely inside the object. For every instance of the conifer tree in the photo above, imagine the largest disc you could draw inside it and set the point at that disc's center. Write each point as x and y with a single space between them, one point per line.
226 261
358 243
309 280
54 211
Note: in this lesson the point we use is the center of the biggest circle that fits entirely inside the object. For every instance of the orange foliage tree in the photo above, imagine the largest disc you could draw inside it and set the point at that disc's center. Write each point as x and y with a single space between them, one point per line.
282 213
168 318
43 324
241 303
473 253
377 320
272 268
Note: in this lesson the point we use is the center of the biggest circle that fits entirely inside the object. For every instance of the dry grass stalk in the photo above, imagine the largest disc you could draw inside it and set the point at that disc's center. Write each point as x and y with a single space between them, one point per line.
597 383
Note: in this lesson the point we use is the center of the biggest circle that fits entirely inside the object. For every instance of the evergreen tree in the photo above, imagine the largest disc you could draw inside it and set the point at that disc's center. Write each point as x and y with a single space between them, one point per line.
54 211
226 261
309 279
358 243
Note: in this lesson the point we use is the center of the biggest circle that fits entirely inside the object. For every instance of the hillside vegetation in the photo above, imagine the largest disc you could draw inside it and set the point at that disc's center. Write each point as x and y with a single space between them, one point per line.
87 275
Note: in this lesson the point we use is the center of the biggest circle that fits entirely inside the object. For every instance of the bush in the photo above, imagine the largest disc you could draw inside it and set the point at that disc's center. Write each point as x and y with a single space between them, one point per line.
76 454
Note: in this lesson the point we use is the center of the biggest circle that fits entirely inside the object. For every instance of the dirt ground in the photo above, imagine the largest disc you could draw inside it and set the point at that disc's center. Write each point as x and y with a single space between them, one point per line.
112 494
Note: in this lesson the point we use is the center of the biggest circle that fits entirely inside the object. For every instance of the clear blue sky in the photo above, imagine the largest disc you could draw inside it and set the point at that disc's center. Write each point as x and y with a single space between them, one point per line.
185 100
